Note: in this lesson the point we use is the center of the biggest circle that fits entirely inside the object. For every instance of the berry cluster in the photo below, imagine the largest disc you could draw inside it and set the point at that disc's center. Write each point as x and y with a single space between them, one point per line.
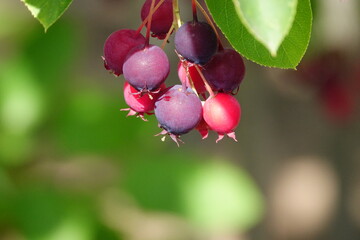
206 71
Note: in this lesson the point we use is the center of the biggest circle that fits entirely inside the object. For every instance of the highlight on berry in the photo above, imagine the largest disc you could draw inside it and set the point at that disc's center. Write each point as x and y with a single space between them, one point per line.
209 74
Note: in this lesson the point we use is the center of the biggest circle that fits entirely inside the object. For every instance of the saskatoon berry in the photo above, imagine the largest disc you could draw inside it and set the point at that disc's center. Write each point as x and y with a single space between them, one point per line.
139 103
225 71
195 77
146 68
117 46
196 42
222 113
162 18
178 110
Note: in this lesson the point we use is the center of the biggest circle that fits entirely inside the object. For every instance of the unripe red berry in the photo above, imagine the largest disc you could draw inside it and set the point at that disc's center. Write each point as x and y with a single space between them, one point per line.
222 113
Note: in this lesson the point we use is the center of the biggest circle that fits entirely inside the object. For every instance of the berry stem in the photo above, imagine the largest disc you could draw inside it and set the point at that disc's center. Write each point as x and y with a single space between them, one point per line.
207 86
151 12
147 18
176 13
186 66
167 36
209 20
193 4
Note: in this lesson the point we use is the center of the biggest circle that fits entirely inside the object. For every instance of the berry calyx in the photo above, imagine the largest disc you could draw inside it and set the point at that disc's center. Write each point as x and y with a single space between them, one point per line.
139 103
222 113
196 42
117 47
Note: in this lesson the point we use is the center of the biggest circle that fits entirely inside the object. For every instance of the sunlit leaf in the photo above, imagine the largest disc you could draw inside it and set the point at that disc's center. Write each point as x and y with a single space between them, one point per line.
47 11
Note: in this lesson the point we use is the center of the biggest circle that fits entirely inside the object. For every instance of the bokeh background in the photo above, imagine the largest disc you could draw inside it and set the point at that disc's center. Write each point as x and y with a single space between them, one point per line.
73 167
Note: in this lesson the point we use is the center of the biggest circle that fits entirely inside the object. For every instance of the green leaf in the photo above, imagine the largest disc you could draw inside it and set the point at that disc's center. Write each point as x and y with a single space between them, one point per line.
47 11
268 20
291 50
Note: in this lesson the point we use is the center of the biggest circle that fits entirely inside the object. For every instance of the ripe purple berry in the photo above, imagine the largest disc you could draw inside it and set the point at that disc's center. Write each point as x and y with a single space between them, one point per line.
162 19
196 42
225 71
146 68
117 47
178 110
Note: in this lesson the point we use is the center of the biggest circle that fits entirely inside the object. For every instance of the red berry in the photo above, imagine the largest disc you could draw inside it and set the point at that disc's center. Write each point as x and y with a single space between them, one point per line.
195 77
162 18
117 47
337 101
222 113
139 103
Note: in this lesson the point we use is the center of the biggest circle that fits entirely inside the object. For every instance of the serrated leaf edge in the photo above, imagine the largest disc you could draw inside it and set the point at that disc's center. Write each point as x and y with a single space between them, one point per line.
29 7
272 51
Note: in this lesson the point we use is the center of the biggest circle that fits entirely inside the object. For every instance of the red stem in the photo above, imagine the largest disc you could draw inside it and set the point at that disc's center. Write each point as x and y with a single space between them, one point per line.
149 23
147 18
195 18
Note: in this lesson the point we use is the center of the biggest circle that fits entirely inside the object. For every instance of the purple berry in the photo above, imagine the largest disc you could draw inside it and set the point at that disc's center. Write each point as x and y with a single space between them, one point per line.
225 71
196 42
117 47
162 19
146 68
178 110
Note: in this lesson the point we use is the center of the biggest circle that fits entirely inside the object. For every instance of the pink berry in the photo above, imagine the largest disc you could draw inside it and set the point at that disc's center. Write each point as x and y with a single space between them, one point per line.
222 113
195 77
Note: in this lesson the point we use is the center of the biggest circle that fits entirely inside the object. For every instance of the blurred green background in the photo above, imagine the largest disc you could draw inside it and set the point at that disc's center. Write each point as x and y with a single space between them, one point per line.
73 167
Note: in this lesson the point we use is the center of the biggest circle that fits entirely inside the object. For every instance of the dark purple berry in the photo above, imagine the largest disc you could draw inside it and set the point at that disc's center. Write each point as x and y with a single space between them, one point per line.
225 71
146 68
117 47
196 42
162 18
178 110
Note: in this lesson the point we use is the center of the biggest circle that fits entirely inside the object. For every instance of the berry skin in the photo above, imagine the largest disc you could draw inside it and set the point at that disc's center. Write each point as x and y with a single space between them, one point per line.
178 111
195 77
162 19
146 68
196 42
117 47
225 71
139 103
222 113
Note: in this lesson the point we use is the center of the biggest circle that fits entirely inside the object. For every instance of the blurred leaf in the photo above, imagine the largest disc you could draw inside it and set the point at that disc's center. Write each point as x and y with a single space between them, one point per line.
47 12
269 21
15 149
41 213
92 123
21 110
292 48
21 98
104 233
52 55
220 197
155 180
5 190
38 212
75 226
